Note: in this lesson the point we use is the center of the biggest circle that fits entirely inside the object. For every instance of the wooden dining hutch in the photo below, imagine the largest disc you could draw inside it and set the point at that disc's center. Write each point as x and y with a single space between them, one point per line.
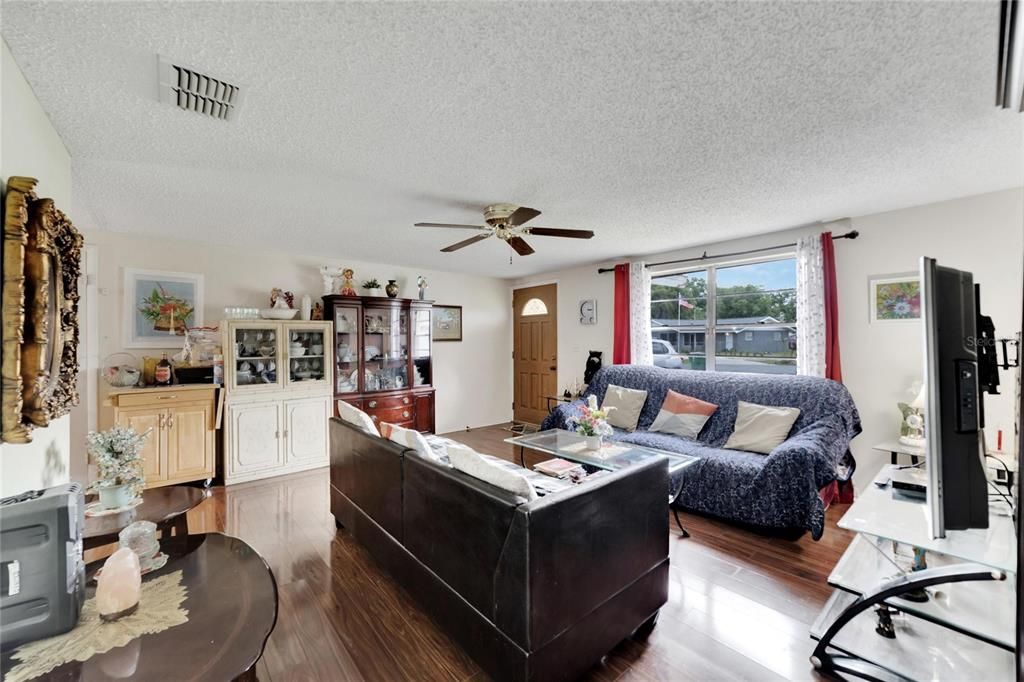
382 358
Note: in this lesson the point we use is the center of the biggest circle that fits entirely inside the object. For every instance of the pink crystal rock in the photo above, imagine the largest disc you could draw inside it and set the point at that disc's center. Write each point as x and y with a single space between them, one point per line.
119 585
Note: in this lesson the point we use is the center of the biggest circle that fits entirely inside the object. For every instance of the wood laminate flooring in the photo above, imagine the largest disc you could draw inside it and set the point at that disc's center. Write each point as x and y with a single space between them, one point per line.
739 607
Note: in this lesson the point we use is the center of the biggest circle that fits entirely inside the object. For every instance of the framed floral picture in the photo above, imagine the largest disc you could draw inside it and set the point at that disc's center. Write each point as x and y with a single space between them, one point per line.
895 298
159 306
447 322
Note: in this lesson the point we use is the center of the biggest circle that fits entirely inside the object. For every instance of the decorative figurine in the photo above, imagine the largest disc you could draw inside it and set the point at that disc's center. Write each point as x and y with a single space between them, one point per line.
318 311
327 273
421 282
347 288
281 299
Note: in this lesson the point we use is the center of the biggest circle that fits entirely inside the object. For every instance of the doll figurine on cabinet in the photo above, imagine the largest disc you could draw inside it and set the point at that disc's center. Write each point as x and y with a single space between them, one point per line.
347 288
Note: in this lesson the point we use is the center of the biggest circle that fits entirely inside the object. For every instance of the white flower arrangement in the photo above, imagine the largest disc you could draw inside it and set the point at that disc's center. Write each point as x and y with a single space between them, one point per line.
116 453
591 421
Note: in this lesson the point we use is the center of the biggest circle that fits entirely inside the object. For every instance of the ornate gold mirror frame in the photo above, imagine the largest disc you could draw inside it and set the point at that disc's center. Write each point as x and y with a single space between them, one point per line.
19 194
40 297
49 356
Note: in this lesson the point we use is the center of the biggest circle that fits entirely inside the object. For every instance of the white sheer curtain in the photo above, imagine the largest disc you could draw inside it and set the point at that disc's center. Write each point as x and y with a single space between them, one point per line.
640 314
810 307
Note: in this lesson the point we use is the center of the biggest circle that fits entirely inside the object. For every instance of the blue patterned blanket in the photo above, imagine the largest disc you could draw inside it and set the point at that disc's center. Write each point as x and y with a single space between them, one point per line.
779 490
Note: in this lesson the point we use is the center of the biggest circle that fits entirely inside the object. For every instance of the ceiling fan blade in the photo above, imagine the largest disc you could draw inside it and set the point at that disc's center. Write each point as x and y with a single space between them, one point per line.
522 215
520 245
560 232
463 227
464 243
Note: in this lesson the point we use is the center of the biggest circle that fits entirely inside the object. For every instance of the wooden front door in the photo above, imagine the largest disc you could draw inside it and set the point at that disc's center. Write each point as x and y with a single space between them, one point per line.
535 351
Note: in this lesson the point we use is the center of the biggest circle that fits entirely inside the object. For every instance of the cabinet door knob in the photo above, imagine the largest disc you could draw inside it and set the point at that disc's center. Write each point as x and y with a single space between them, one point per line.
372 404
160 421
286 433
374 418
277 434
405 401
405 414
170 421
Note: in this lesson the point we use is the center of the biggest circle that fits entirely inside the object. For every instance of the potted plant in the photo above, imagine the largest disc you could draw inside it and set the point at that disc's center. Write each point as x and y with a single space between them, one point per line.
117 454
372 287
591 424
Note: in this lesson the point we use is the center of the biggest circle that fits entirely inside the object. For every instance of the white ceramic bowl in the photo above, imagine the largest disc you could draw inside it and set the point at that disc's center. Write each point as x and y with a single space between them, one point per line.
279 313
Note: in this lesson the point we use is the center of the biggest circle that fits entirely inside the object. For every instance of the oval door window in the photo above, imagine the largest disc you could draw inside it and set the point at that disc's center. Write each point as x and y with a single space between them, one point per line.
534 306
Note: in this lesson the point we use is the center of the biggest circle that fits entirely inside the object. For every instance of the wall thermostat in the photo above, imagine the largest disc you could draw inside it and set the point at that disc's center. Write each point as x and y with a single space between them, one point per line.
588 311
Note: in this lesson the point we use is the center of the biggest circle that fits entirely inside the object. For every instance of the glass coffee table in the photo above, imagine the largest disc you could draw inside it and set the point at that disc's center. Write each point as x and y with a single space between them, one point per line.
611 457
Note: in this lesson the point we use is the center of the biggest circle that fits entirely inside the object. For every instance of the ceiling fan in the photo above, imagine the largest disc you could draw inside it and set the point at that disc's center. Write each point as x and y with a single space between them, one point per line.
505 221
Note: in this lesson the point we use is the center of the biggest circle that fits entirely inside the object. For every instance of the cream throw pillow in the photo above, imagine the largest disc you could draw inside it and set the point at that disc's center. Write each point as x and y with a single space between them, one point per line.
353 415
469 461
628 404
409 438
760 428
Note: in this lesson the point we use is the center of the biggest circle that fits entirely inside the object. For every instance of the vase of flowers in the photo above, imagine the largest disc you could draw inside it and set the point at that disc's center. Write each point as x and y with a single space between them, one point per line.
591 423
117 454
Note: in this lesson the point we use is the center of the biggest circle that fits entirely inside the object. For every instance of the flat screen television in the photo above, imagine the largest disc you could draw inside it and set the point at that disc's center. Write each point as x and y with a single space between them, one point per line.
957 483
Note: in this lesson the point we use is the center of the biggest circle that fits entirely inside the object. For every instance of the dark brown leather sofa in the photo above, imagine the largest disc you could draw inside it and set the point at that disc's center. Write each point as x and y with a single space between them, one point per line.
535 590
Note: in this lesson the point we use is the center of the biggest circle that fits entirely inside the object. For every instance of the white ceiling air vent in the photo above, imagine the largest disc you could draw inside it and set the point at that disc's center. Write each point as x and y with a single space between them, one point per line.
192 90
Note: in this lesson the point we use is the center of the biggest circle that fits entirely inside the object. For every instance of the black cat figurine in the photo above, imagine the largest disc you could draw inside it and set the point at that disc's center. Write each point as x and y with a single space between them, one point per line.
593 364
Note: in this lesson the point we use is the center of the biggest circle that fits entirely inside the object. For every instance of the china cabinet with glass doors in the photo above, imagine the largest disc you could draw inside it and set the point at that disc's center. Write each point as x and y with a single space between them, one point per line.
382 358
278 380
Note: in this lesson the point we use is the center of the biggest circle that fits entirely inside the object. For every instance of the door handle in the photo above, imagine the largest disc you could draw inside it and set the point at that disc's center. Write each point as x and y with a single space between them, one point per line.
160 421
553 368
170 421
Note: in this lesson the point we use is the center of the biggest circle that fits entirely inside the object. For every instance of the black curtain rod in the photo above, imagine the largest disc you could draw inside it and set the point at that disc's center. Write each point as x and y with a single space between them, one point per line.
852 234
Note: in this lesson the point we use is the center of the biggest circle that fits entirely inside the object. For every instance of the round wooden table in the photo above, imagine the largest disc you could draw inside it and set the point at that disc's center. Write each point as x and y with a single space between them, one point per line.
232 609
167 507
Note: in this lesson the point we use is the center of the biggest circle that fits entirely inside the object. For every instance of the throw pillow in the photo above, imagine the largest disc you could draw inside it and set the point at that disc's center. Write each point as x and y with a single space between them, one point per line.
627 402
353 415
682 415
413 440
760 428
469 461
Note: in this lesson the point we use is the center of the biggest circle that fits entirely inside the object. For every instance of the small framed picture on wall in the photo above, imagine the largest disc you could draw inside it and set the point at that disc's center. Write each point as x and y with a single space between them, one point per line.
447 322
159 306
894 298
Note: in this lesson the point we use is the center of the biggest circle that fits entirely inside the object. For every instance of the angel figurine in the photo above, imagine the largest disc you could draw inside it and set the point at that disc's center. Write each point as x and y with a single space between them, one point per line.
347 288
421 282
327 274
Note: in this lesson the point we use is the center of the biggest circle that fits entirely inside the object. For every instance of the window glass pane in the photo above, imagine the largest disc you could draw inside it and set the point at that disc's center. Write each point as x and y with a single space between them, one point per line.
679 349
765 351
679 305
756 293
534 306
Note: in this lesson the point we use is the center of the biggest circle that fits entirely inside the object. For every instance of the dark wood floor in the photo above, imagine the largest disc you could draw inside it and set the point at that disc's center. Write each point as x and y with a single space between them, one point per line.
739 604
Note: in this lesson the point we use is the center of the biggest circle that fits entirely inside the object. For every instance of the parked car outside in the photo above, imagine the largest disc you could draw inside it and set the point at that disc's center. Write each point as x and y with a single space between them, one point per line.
665 355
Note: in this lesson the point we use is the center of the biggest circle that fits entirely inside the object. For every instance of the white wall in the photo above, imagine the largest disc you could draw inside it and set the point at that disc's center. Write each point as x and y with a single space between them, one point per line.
471 377
983 234
30 146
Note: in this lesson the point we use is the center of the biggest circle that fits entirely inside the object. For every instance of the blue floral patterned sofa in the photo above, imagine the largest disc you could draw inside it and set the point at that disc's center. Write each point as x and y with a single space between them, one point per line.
775 491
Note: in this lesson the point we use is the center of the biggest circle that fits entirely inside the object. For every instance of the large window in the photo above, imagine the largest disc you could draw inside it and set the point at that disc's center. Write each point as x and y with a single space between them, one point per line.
748 310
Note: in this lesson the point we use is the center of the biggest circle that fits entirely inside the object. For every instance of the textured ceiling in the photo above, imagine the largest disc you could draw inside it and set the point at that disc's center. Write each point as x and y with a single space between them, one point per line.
656 125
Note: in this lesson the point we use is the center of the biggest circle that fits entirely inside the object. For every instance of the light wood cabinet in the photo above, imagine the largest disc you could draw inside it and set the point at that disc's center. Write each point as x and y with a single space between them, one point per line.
181 446
278 398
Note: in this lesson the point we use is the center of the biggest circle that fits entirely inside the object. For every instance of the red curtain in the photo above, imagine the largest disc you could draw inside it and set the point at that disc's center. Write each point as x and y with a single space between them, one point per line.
833 363
622 354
